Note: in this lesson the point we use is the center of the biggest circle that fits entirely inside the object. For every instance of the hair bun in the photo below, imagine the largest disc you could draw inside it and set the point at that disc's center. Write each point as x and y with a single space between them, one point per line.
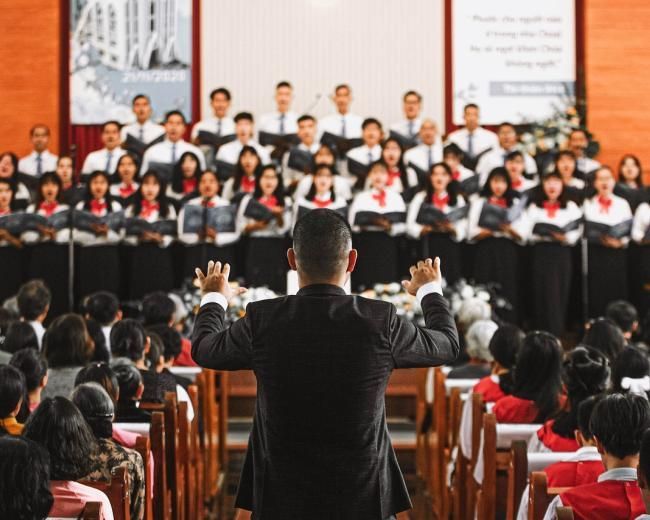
586 369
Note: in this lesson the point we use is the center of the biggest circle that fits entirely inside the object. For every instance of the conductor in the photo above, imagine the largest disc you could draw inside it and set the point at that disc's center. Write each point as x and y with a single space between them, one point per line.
320 448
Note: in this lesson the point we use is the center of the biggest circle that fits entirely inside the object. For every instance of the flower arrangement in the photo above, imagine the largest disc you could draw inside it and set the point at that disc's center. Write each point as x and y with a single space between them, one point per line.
406 305
462 291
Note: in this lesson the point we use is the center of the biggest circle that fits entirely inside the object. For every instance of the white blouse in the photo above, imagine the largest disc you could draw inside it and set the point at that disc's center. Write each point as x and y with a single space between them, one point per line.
221 239
414 229
641 222
366 201
86 238
473 229
562 217
32 237
152 217
273 229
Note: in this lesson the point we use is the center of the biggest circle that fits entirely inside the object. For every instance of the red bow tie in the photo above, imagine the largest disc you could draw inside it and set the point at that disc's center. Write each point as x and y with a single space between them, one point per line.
4 212
393 175
605 204
440 202
97 206
48 207
207 203
380 197
455 175
269 202
322 203
498 201
127 190
247 184
189 185
517 184
551 208
148 207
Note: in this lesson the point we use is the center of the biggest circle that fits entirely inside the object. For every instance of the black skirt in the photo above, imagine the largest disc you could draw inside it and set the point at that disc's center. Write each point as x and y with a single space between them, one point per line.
607 278
199 255
12 263
151 270
639 268
442 245
266 263
98 270
49 262
551 284
378 259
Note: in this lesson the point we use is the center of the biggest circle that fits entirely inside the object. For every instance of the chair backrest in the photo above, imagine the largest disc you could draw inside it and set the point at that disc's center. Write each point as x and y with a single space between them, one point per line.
142 429
117 491
174 473
564 513
162 500
92 511
188 372
195 473
143 447
540 495
183 457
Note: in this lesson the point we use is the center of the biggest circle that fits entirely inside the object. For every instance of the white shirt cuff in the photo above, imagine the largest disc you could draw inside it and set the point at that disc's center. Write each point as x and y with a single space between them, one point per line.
428 288
215 297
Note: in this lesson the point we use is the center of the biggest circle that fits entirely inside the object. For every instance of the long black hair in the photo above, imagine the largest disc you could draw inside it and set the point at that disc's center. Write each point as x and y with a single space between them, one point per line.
48 178
538 373
311 194
403 172
510 195
504 347
239 172
637 162
278 193
177 175
14 162
538 196
162 199
632 363
453 188
108 198
12 389
605 336
12 188
115 178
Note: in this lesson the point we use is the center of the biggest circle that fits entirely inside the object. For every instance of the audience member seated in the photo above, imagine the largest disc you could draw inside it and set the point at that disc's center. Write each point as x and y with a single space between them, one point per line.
34 303
131 389
477 341
617 424
504 346
586 373
104 308
96 406
96 334
67 348
643 474
631 372
471 310
25 484
625 316
20 335
12 391
34 368
59 427
536 393
603 335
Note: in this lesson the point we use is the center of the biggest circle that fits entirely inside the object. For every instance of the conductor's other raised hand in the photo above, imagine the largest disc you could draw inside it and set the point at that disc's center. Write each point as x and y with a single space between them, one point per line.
424 272
216 280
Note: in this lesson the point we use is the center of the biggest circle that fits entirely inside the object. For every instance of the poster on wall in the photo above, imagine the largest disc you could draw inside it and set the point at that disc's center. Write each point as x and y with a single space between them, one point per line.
516 60
121 48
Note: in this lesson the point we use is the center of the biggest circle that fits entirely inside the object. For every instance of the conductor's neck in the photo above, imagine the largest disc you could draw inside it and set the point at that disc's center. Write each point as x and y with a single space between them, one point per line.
305 281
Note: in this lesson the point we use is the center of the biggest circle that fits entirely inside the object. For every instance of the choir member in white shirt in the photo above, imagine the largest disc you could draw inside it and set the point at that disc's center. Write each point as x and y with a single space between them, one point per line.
219 123
151 260
72 193
453 157
125 180
144 129
515 165
342 123
496 157
378 219
47 248
308 144
369 152
552 262
11 247
427 153
208 243
170 150
247 169
578 143
320 195
105 160
440 237
630 182
473 139
185 178
640 263
244 130
9 170
99 265
607 265
565 164
401 178
41 160
266 262
325 155
409 127
497 251
283 121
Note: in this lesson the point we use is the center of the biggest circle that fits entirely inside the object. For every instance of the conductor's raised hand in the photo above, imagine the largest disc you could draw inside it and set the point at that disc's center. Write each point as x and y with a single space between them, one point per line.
424 272
216 280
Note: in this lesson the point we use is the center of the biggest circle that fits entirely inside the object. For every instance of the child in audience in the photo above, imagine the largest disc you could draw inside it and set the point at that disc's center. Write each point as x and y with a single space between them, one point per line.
626 317
537 389
58 426
185 177
125 180
20 335
34 369
504 347
631 372
617 424
586 373
248 167
12 393
603 335
131 390
477 341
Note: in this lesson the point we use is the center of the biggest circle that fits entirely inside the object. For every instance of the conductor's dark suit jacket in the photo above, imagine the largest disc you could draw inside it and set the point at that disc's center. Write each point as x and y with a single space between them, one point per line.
320 448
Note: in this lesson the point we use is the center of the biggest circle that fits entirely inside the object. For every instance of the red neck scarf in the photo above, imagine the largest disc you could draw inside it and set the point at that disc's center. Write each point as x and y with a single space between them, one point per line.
393 175
380 197
551 208
440 202
48 207
321 203
207 203
270 201
498 201
97 206
455 175
126 190
148 207
605 204
4 212
247 184
189 185
517 184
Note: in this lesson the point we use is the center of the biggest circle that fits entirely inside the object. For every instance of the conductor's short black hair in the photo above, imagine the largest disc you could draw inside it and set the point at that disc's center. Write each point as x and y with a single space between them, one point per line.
33 299
221 90
321 240
157 307
624 314
102 307
618 422
175 113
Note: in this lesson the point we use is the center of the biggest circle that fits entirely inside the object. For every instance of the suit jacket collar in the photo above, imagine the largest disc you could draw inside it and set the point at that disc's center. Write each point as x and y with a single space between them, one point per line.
321 289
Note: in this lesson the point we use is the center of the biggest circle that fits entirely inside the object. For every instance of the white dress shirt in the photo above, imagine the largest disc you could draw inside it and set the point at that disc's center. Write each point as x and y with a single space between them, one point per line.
364 154
495 158
407 127
222 238
164 151
146 132
211 124
414 229
473 229
39 330
481 140
271 123
99 160
152 217
562 217
641 222
617 213
273 229
29 163
229 152
106 331
333 124
365 201
587 164
32 237
89 239
419 155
